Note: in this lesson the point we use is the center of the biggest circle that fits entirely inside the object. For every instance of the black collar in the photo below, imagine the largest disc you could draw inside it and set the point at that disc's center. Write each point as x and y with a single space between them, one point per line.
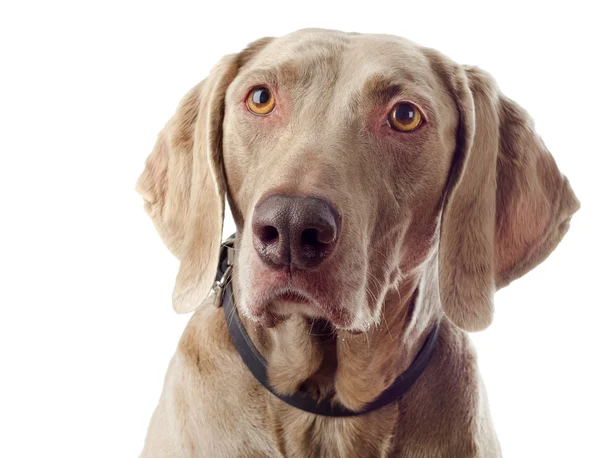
258 366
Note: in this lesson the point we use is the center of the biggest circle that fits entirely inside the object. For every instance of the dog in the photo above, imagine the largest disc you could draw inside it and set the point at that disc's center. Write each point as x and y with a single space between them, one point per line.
380 192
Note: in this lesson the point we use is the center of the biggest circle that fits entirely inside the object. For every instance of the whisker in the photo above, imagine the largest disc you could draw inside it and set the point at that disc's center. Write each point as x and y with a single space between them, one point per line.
312 323
386 323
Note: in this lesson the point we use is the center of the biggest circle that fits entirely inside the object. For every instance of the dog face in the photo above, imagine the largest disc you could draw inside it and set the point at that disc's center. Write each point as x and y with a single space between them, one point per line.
350 194
351 162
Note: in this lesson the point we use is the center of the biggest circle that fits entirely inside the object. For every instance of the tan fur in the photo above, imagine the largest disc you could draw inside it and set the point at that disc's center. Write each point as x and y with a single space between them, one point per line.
434 222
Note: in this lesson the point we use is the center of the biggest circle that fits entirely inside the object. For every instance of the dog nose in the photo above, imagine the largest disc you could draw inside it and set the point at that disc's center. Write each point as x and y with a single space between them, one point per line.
294 231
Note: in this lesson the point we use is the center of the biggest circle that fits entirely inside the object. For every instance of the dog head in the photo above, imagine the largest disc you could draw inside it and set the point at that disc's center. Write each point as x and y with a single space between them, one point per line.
350 162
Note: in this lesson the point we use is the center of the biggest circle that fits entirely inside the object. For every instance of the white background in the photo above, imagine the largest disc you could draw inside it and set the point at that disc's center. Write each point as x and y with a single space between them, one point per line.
86 325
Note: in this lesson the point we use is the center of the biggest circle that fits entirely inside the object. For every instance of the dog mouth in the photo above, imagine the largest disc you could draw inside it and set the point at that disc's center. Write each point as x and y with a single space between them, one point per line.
280 304
291 296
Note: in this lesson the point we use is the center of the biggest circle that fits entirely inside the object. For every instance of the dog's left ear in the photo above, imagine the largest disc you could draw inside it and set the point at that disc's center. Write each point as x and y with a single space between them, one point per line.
507 205
183 184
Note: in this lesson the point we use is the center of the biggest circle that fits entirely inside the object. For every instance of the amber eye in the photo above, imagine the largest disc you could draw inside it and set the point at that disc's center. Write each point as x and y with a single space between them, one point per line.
405 117
260 101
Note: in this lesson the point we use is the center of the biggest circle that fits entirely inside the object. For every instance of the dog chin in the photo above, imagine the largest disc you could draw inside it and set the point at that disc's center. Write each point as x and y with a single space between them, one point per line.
278 310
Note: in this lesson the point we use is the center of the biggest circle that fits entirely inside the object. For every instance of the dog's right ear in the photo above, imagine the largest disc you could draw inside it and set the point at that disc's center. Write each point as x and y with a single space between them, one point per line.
183 187
183 184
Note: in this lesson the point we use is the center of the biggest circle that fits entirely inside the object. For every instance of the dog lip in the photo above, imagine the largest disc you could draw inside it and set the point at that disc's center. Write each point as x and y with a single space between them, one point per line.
281 302
263 310
291 296
285 293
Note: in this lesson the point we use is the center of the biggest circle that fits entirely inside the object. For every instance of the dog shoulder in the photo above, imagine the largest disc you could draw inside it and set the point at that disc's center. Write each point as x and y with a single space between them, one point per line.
210 401
447 413
205 348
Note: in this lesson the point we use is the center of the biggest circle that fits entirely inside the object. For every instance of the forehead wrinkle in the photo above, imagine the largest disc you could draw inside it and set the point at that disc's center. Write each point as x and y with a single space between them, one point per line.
383 87
300 71
380 89
298 58
272 76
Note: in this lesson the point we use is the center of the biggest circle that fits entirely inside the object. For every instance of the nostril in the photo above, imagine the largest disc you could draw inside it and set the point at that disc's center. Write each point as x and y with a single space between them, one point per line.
317 238
310 237
268 234
315 245
321 236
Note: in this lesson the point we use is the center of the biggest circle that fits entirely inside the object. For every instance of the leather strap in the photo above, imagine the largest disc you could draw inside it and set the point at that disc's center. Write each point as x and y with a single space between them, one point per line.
255 362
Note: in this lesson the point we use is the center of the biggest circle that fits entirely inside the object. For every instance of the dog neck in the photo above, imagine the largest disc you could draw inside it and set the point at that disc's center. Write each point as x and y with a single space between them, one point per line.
310 356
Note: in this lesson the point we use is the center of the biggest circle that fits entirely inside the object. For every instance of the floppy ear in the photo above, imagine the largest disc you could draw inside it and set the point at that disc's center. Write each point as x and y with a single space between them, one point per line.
183 184
507 204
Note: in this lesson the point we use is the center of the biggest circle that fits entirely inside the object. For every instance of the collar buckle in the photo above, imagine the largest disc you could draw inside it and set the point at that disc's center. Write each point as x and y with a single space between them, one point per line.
226 260
220 285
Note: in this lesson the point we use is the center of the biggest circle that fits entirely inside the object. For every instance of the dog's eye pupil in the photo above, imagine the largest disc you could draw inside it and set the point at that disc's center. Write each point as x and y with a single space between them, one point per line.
405 117
404 112
260 101
261 96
